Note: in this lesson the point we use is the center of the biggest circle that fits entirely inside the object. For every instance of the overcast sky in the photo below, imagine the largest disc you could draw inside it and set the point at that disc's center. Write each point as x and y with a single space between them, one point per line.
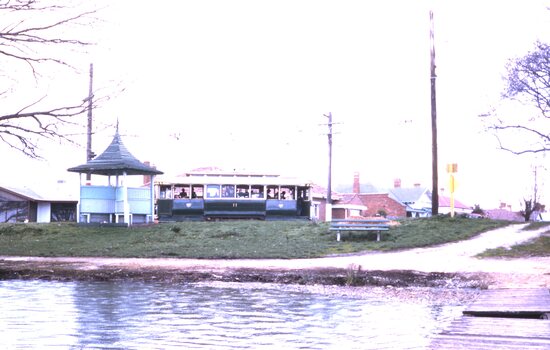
246 85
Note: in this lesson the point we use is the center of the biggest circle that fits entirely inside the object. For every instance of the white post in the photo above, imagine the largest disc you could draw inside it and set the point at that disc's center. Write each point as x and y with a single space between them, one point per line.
79 206
126 205
328 212
152 197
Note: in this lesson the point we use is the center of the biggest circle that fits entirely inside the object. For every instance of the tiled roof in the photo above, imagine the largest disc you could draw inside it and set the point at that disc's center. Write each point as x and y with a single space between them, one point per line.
115 160
503 214
352 198
318 191
407 195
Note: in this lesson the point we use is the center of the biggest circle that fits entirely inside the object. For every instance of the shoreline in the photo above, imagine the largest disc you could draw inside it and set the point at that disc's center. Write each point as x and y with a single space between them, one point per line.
51 269
452 265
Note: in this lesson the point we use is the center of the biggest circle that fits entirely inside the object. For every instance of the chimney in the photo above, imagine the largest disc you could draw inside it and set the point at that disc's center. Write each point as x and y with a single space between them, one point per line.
356 184
147 178
397 183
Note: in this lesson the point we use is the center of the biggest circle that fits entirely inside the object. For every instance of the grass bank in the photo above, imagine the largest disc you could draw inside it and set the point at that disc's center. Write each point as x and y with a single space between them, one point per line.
227 240
537 247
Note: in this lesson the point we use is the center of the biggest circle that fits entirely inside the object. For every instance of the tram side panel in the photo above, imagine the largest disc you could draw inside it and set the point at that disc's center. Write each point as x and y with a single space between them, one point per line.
281 209
164 209
180 209
246 208
188 209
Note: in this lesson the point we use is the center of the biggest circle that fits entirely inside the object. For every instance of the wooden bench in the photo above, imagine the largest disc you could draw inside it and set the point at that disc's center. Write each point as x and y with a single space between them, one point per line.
350 225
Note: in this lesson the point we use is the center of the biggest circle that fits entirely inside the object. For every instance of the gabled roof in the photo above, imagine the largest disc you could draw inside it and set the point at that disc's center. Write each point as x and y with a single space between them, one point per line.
446 202
363 188
52 195
115 160
352 198
320 192
350 201
407 195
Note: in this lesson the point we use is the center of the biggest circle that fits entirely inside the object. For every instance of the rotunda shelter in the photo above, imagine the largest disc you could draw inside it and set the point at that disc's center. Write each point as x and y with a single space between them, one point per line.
116 202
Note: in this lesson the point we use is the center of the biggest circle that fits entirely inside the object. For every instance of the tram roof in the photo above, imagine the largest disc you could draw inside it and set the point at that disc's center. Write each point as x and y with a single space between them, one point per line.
231 179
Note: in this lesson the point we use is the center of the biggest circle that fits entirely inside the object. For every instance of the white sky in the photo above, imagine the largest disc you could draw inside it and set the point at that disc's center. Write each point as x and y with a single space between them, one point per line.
245 84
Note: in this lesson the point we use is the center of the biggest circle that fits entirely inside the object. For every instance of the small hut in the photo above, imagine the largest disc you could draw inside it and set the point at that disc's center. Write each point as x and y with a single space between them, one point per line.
116 202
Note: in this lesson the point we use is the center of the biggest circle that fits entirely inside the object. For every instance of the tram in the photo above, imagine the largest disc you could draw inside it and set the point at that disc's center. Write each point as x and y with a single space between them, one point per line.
216 196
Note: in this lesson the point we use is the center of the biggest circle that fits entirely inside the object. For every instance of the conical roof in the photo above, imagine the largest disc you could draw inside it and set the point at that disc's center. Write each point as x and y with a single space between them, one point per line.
115 160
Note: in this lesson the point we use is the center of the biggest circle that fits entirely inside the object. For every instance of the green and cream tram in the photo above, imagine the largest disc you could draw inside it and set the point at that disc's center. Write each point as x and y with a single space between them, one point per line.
210 196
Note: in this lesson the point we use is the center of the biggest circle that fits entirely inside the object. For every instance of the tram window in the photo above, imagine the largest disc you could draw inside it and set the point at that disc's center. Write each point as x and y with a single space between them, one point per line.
272 192
303 193
165 192
243 191
228 191
287 193
213 191
257 191
182 191
197 191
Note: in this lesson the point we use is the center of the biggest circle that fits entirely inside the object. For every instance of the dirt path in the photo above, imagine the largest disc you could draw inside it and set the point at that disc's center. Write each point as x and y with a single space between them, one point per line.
444 261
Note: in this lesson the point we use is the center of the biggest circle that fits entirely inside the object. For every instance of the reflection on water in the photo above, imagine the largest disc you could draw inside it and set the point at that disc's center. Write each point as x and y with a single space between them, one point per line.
135 315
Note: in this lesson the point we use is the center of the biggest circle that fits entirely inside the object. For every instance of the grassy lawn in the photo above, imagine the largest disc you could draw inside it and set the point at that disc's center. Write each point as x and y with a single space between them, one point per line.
537 247
230 239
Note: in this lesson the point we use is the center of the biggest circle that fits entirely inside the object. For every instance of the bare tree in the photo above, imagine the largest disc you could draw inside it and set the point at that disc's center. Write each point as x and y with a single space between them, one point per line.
31 36
532 205
527 84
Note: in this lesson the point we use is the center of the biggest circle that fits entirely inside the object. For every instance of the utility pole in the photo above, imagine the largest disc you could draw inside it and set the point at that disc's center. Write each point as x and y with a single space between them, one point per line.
89 153
435 186
328 208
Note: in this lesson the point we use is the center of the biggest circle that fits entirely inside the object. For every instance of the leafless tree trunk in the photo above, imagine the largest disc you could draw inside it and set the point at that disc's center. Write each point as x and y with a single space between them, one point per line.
532 205
31 33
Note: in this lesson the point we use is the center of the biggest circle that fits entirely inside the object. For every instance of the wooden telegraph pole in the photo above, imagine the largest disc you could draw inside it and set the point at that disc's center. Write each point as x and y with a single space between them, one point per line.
435 186
328 209
89 153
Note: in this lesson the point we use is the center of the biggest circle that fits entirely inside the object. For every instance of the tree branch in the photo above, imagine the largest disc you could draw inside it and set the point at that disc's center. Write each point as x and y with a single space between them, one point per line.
31 39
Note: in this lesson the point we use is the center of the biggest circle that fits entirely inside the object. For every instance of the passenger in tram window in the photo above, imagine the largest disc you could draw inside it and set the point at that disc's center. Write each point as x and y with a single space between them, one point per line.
243 193
283 195
194 194
183 194
228 191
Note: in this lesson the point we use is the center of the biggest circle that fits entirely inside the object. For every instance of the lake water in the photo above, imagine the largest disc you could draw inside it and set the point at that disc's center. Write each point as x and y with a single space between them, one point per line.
142 315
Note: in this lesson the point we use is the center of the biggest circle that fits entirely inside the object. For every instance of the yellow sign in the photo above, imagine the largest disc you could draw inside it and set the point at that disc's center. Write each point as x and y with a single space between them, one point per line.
452 168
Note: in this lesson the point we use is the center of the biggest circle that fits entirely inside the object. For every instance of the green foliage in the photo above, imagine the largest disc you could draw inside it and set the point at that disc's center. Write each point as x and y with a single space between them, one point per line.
227 239
352 273
175 229
477 210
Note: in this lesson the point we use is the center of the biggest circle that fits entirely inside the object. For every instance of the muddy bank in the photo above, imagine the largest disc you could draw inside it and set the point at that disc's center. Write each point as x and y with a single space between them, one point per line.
352 276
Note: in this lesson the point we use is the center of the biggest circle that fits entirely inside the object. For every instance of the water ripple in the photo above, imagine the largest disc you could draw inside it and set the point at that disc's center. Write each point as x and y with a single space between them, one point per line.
138 315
